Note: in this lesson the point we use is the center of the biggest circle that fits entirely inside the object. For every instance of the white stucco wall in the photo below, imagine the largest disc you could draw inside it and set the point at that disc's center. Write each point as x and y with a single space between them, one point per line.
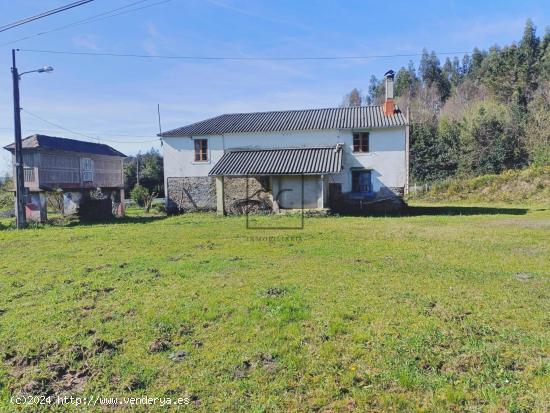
386 157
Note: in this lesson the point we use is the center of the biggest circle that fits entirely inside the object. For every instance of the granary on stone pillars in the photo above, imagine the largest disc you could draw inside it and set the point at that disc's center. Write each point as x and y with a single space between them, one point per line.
73 169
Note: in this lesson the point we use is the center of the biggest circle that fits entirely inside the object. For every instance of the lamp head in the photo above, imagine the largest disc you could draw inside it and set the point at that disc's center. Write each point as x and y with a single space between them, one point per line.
45 69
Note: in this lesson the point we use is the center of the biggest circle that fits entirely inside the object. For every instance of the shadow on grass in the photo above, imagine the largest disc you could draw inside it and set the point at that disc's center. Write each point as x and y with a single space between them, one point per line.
114 221
413 211
462 210
68 222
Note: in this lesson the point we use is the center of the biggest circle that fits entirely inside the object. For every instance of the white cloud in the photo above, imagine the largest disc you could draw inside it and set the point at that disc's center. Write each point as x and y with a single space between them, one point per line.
87 41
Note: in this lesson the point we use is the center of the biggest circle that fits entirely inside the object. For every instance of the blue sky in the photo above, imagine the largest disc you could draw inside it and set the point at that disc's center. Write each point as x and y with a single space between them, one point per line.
115 98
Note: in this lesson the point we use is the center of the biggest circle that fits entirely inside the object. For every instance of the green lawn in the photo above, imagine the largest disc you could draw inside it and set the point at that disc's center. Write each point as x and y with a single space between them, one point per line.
430 312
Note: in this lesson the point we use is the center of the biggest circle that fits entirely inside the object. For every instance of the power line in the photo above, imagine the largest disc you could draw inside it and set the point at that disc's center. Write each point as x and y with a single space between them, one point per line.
120 135
43 14
80 133
237 58
92 19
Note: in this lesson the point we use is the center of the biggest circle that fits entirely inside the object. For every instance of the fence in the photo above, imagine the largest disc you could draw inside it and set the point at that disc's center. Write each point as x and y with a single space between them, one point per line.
416 189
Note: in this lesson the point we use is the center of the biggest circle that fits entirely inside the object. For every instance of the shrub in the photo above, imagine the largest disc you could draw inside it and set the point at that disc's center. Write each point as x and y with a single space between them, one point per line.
531 185
6 196
141 196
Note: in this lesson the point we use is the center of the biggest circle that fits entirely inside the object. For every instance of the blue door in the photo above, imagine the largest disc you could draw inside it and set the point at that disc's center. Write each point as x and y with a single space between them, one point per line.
361 181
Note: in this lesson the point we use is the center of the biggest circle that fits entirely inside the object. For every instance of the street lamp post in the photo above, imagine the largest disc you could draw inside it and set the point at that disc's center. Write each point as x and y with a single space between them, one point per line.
19 171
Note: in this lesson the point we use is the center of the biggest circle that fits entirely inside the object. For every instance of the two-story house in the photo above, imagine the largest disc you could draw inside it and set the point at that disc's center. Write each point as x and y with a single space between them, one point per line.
314 158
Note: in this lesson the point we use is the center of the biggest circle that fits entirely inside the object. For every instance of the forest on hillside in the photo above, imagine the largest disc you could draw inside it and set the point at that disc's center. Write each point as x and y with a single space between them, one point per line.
486 112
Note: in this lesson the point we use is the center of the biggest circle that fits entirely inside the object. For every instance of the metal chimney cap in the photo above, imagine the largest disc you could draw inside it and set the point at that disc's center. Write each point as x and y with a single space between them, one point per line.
390 73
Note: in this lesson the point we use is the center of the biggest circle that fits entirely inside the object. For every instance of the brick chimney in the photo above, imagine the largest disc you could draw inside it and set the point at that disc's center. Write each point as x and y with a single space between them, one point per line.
389 105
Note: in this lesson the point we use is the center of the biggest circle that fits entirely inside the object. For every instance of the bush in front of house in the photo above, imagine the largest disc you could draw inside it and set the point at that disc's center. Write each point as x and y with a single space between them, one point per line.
141 196
6 196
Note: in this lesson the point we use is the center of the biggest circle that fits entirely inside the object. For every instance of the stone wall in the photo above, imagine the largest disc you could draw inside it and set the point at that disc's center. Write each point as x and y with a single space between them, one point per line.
191 194
236 196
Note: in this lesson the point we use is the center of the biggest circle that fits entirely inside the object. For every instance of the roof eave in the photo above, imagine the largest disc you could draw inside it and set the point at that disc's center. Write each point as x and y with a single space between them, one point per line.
164 134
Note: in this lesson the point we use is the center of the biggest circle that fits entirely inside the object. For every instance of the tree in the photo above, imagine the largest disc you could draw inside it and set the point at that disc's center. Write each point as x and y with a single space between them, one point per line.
537 129
6 195
466 65
490 139
375 92
528 53
434 150
142 197
402 82
467 93
352 99
406 81
475 62
494 104
151 171
432 74
429 68
448 70
499 72
544 56
422 154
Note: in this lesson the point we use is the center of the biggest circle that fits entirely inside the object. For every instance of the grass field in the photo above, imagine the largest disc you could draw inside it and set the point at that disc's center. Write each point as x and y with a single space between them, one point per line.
430 312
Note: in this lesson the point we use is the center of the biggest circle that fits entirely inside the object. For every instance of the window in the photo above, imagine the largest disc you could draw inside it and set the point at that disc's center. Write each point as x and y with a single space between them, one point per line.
361 142
87 170
360 181
201 150
87 164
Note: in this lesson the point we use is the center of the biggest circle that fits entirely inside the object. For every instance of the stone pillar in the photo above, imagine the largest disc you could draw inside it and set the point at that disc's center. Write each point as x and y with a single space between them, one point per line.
71 202
275 186
36 207
321 199
219 196
122 208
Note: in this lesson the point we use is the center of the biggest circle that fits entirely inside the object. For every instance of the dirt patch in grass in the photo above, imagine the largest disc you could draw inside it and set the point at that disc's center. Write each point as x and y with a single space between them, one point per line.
266 361
208 245
185 330
179 257
51 370
241 371
275 291
446 313
523 276
178 356
159 345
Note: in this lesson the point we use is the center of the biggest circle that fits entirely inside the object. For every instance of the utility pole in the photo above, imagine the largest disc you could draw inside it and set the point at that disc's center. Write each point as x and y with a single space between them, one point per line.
19 173
137 168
